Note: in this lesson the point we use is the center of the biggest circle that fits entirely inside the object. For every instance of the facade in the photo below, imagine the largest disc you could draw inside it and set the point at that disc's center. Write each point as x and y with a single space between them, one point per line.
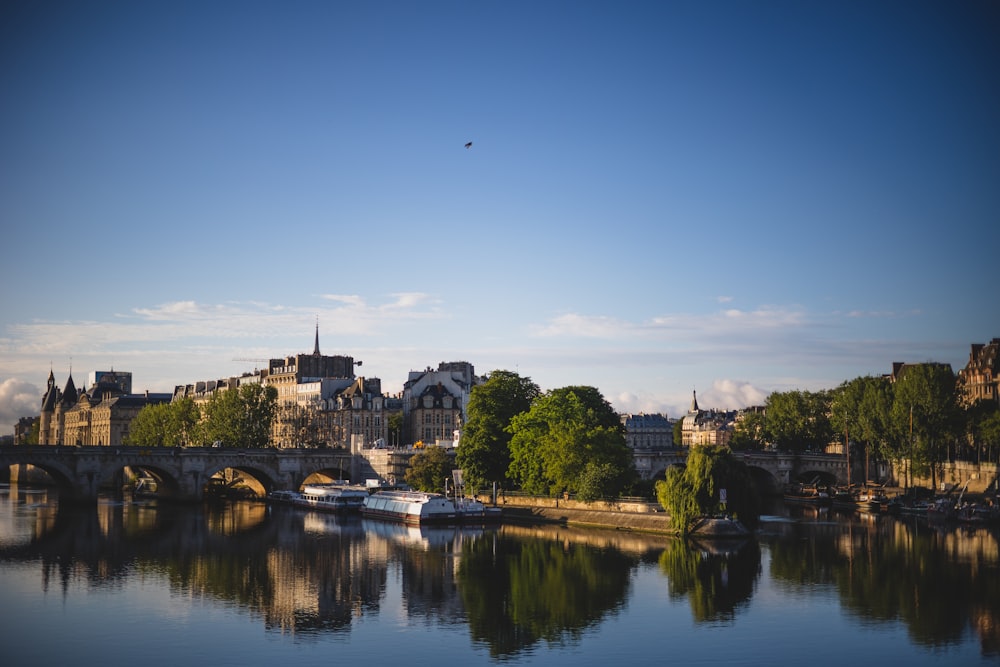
978 380
645 432
434 403
320 401
705 427
99 416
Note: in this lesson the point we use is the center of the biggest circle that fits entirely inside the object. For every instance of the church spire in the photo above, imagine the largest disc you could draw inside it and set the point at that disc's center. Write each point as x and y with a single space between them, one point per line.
316 345
694 401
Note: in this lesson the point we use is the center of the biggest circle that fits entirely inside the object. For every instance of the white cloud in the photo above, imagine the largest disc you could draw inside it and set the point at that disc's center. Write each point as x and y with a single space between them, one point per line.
726 394
18 399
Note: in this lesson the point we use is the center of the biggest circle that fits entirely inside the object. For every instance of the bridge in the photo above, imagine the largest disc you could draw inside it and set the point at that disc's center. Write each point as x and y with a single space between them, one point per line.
771 470
182 473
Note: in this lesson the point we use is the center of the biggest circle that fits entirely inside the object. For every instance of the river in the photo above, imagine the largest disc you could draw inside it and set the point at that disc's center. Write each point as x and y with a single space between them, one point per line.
247 584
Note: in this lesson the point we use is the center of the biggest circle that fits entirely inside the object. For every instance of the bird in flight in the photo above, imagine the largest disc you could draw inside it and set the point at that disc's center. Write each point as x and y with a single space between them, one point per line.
468 145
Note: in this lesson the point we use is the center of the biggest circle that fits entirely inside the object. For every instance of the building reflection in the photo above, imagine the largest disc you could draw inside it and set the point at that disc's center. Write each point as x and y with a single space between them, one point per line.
310 574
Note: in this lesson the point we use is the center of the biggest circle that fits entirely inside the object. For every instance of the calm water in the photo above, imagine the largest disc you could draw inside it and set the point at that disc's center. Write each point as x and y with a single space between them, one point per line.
244 584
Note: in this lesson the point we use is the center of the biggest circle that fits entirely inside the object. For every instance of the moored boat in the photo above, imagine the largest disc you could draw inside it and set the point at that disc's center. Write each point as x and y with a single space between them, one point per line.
336 497
808 494
412 507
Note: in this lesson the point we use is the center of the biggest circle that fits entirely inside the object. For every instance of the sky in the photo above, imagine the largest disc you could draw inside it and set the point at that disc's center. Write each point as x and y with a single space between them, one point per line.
727 197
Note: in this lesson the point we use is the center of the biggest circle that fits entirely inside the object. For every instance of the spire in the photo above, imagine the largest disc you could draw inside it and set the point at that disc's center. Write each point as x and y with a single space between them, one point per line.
694 401
316 345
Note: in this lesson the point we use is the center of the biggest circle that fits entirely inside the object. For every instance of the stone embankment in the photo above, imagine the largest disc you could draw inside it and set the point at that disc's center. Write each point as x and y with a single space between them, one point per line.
632 516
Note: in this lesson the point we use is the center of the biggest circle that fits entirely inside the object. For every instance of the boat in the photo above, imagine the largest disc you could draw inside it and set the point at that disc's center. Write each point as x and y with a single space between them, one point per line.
335 497
844 499
872 500
411 507
470 510
909 507
809 494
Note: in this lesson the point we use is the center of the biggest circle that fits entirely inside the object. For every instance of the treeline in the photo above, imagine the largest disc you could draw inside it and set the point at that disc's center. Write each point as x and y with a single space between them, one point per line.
919 417
571 440
240 418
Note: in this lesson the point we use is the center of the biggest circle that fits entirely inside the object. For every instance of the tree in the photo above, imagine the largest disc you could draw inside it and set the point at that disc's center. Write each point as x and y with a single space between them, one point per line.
484 448
693 491
982 425
395 428
678 432
429 469
861 410
241 417
165 424
798 420
925 407
565 431
749 431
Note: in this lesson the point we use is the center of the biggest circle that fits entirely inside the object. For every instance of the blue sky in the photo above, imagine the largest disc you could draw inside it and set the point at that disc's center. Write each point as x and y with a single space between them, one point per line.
728 197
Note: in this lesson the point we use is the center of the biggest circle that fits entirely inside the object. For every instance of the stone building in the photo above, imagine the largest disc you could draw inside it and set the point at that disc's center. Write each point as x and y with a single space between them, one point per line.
645 432
320 401
99 416
978 380
434 403
705 427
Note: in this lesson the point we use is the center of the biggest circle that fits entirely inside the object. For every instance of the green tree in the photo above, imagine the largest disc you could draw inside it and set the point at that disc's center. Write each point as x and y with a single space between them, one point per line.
861 409
926 412
798 420
484 448
394 429
693 491
429 469
241 417
982 426
563 432
171 424
749 431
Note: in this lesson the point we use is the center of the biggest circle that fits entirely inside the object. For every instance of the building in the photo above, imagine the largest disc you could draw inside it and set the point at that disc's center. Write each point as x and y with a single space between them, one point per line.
705 427
434 403
99 416
320 401
978 380
645 432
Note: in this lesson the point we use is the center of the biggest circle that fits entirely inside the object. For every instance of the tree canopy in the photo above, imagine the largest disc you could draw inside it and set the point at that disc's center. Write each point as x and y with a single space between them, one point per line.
241 417
570 440
925 413
797 421
484 449
171 424
429 469
694 490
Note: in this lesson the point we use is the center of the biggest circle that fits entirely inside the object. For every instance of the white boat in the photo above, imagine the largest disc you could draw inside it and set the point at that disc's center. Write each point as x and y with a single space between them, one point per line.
335 497
412 507
470 510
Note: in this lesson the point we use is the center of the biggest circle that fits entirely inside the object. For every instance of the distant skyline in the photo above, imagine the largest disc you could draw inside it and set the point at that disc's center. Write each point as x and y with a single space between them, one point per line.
729 197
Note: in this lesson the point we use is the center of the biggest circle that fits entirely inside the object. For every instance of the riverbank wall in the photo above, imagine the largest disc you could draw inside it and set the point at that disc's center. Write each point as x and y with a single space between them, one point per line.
624 515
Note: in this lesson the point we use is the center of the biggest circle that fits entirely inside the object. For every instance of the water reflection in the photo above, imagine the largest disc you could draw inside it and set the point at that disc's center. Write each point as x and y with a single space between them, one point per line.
716 577
515 588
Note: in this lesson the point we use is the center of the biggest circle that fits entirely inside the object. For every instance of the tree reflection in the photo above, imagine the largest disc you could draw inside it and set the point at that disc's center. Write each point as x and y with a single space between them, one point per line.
717 578
941 583
519 591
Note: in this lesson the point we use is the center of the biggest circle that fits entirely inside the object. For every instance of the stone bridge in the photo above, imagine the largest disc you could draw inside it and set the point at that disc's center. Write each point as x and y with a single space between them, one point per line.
183 472
772 470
